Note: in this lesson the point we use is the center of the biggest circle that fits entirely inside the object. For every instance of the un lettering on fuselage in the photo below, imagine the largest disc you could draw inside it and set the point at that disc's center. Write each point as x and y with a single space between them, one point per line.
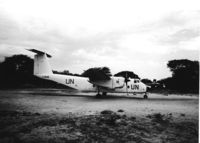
134 87
69 81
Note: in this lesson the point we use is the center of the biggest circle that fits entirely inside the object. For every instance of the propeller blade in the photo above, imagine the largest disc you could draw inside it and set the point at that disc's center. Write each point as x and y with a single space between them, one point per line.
126 81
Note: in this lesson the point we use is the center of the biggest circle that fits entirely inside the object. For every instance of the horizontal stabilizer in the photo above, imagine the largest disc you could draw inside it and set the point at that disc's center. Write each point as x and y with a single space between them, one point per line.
39 52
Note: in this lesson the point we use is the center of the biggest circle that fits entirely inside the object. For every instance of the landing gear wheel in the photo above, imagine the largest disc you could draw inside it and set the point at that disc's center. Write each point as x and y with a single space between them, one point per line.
98 95
104 93
145 96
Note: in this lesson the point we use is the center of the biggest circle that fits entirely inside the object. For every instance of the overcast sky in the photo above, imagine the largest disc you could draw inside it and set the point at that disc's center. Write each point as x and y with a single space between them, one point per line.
136 35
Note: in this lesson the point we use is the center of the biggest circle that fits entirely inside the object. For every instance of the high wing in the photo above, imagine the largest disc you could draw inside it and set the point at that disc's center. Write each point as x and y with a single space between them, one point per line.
112 83
99 78
98 75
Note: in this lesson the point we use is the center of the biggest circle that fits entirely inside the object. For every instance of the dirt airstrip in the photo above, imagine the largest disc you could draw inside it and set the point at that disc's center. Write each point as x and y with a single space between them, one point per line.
44 115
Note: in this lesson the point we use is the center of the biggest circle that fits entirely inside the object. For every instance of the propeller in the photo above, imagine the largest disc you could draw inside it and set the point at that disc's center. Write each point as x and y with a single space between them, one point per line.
126 80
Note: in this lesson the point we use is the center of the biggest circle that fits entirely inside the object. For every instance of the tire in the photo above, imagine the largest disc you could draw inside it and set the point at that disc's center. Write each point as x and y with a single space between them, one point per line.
145 96
98 95
104 93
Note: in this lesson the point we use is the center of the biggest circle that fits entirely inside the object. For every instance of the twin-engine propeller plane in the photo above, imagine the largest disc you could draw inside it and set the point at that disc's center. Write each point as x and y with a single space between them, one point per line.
106 84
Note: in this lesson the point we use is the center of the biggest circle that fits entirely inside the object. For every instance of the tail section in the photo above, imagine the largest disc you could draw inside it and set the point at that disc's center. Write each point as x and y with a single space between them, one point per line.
41 63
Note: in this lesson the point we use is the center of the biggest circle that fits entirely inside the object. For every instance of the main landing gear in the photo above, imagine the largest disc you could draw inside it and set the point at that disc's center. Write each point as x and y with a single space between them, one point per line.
145 96
101 95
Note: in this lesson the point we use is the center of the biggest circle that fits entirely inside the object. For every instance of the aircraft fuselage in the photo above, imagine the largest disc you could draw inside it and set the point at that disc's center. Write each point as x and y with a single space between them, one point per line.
84 84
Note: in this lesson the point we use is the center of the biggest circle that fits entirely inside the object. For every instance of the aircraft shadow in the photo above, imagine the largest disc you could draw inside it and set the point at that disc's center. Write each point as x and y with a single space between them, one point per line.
108 97
92 96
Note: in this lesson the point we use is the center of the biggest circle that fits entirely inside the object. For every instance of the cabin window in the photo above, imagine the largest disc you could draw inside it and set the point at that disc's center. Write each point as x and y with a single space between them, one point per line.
117 81
136 81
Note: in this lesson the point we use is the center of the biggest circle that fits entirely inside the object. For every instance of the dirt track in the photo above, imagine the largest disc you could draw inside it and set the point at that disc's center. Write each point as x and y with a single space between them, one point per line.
58 101
171 114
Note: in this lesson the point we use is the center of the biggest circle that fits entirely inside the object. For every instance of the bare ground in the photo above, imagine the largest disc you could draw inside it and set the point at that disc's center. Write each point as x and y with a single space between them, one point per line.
59 116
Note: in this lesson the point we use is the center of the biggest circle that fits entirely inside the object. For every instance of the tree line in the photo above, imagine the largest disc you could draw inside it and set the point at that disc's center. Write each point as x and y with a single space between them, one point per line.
185 76
17 72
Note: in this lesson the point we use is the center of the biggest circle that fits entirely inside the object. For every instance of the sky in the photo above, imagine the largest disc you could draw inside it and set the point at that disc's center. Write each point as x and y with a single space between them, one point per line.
135 35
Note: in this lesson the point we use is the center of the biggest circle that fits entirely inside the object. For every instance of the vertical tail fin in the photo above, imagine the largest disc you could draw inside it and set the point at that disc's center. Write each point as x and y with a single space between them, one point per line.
41 63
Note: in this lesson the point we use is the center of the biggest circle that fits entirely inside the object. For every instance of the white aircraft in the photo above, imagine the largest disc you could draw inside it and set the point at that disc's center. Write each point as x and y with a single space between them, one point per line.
111 84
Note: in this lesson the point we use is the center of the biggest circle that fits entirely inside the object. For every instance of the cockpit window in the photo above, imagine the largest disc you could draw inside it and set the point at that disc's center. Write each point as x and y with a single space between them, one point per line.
136 81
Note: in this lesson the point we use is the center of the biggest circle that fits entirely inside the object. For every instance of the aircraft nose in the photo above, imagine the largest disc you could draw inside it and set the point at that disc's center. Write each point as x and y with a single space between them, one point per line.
144 87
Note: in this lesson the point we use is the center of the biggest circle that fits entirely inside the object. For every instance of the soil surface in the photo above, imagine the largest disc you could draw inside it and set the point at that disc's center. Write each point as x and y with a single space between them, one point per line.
51 115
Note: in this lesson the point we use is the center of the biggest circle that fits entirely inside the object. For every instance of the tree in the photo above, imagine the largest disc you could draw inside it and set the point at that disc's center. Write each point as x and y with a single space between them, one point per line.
185 75
127 74
184 67
15 70
146 81
18 64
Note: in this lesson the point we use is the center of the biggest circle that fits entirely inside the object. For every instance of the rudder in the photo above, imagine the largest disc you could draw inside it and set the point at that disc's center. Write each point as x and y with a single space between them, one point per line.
41 65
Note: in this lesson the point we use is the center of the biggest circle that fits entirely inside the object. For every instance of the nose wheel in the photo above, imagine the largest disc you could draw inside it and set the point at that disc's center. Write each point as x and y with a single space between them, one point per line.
145 96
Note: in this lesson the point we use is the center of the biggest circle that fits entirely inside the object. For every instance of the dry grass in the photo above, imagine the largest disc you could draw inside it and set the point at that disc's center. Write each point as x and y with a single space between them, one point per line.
107 126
